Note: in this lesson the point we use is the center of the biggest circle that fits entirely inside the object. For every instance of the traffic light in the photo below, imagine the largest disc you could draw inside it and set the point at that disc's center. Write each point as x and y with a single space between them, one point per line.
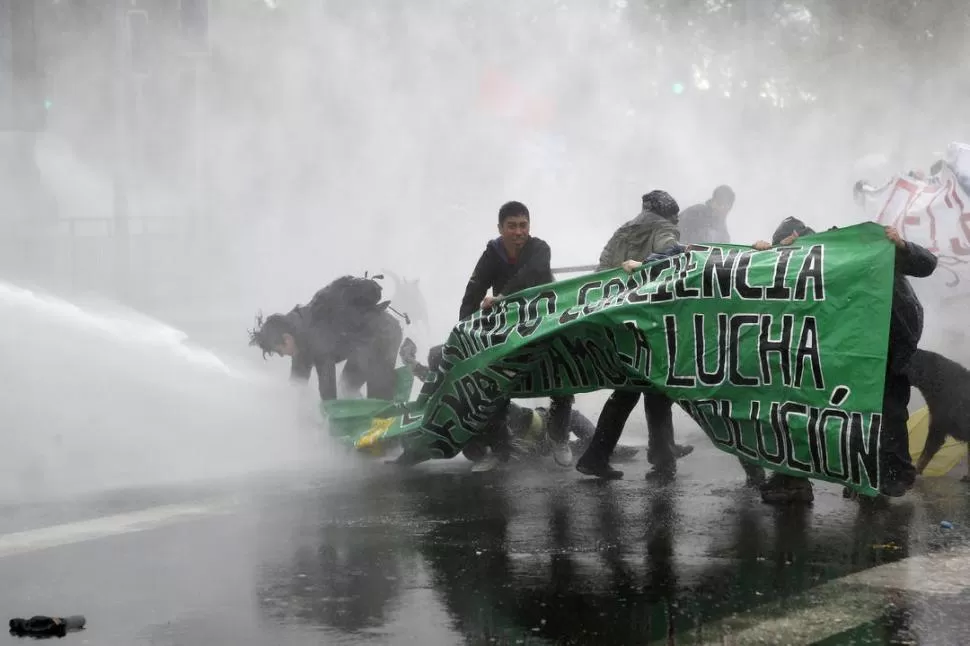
678 88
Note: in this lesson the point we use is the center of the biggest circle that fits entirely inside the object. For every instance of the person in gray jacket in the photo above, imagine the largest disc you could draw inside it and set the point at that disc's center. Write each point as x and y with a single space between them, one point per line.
653 231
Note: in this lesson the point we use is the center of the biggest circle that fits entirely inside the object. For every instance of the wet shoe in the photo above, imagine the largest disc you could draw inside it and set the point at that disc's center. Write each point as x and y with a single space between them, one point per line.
682 450
489 463
895 489
603 471
562 454
782 489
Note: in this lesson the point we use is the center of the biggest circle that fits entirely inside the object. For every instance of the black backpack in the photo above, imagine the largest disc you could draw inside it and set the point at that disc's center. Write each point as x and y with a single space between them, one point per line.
346 294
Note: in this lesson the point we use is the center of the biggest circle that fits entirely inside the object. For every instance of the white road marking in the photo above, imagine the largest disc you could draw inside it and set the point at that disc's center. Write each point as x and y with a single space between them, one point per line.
838 605
95 528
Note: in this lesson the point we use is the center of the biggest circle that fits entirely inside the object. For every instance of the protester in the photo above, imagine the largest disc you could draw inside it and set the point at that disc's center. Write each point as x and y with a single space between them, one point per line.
409 357
344 321
514 261
905 329
654 230
707 222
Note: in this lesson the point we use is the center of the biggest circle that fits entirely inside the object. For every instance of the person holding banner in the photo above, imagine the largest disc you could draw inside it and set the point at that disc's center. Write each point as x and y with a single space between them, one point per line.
707 222
897 473
512 262
653 231
346 321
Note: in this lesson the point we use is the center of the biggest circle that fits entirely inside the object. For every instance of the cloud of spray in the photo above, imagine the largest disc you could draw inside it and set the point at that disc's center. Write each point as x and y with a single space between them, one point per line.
98 400
341 138
344 137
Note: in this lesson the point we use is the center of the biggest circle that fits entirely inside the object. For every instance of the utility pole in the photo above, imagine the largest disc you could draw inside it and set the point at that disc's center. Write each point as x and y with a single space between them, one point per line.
23 196
194 26
122 156
132 66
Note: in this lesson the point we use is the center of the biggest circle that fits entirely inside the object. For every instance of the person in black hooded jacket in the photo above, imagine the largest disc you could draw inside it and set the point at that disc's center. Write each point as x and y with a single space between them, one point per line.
510 263
343 322
905 329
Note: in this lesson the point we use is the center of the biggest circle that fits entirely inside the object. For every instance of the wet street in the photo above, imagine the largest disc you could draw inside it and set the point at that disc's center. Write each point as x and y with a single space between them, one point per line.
439 555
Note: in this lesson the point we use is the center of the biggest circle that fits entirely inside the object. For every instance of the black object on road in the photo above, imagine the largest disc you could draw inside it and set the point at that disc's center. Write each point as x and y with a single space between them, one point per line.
41 626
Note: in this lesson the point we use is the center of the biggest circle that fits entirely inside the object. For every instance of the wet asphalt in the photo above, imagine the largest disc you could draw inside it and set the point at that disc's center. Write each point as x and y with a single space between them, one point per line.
531 554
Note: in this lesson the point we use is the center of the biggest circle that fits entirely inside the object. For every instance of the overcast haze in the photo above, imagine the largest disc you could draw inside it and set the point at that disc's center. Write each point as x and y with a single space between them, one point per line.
339 137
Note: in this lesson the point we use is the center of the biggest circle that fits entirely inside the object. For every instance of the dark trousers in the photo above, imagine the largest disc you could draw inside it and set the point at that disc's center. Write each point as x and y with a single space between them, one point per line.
373 363
496 434
896 464
613 418
560 413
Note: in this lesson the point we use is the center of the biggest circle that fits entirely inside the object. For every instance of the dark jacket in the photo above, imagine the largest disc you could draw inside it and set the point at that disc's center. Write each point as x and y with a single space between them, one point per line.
495 270
667 253
699 224
906 324
344 322
643 235
789 226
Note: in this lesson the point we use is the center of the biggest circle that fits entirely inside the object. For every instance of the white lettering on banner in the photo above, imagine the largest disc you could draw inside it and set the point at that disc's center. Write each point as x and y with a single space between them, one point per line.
934 214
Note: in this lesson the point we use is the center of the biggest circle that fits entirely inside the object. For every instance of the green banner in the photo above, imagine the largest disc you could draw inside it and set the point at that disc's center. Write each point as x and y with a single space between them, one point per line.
778 355
366 424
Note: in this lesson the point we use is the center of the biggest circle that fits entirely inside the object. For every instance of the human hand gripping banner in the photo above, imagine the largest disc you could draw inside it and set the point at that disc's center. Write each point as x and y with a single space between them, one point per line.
778 355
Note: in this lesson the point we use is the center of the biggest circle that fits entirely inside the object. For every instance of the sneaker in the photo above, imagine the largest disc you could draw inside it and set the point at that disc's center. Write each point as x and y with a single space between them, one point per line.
783 489
486 464
562 454
895 489
603 471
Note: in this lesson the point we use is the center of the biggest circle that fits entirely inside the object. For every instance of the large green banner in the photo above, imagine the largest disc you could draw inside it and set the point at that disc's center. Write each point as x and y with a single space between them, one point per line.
778 355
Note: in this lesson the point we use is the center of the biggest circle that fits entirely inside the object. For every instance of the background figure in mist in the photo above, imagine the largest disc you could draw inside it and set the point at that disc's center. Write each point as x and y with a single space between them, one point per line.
905 329
344 321
707 222
653 231
510 263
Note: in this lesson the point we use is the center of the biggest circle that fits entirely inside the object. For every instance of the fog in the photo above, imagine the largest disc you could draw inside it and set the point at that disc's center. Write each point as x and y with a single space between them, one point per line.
327 138
100 397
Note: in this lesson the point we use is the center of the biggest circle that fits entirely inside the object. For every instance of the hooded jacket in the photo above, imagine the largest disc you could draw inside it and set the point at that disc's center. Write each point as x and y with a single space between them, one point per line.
906 322
343 322
906 325
505 275
646 234
699 224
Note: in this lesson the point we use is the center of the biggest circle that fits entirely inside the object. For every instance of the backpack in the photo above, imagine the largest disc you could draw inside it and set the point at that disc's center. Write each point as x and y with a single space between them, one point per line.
347 293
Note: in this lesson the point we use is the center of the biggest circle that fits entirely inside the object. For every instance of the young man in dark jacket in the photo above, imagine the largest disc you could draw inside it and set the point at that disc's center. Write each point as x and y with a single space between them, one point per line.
512 262
905 330
343 322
